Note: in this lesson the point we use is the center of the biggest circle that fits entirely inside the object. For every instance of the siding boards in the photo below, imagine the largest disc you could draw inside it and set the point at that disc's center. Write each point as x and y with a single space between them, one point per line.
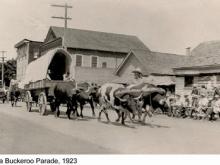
96 75
112 59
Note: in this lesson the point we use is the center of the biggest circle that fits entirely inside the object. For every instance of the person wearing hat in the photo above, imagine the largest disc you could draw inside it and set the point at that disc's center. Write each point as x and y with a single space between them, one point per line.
138 75
138 79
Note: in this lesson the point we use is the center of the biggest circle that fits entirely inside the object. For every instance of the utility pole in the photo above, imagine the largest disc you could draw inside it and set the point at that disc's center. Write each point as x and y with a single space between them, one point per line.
3 61
65 18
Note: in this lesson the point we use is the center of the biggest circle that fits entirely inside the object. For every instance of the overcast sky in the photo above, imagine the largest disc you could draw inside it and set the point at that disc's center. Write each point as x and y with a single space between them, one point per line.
163 25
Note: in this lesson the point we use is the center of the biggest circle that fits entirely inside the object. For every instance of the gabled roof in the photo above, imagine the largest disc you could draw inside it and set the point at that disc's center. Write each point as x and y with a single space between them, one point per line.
93 40
155 62
24 41
205 54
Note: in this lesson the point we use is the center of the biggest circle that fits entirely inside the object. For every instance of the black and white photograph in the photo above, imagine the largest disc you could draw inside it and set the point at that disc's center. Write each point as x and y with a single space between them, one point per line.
103 77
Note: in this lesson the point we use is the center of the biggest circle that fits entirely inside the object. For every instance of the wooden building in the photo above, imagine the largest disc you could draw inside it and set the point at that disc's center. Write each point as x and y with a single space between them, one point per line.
95 55
156 67
201 67
27 51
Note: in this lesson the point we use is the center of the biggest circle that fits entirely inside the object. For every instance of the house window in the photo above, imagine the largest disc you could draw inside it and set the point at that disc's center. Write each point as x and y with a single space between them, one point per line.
78 60
94 61
104 65
188 81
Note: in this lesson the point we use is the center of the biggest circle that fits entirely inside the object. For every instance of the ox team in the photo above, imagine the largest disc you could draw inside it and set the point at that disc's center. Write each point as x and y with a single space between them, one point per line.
138 99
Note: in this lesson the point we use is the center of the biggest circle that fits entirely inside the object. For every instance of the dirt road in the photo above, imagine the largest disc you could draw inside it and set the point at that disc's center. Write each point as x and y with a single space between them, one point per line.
28 132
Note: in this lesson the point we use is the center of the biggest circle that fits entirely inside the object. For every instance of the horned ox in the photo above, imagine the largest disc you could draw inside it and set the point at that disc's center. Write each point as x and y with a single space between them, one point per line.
110 98
87 96
152 98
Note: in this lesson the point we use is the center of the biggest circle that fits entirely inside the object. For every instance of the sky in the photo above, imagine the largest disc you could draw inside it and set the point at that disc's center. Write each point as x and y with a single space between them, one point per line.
163 25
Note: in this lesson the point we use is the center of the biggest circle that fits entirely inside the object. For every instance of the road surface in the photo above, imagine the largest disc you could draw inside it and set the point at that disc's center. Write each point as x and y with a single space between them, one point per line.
23 132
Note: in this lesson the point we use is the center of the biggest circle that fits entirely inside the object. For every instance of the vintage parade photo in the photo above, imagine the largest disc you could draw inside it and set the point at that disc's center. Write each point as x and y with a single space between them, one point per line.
109 77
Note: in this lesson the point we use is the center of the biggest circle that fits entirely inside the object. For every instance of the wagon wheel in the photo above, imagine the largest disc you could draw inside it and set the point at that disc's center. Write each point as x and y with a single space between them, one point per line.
28 100
42 102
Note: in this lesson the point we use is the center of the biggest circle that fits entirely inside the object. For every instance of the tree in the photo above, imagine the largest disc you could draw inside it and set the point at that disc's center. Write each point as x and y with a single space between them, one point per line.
9 70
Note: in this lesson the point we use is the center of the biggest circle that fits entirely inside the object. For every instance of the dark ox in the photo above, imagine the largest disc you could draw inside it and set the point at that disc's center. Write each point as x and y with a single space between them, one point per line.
87 96
110 98
65 93
154 101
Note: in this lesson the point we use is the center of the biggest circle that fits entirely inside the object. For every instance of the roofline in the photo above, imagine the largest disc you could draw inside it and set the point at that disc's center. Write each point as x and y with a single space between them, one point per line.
161 74
46 43
197 67
132 51
48 32
25 41
96 31
102 50
170 54
123 62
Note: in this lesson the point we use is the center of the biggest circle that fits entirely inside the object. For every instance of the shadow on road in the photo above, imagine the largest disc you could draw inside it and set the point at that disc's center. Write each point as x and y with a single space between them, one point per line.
154 125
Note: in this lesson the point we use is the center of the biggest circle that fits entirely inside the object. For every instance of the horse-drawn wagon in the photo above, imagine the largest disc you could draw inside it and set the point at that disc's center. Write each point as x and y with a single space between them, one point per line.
42 75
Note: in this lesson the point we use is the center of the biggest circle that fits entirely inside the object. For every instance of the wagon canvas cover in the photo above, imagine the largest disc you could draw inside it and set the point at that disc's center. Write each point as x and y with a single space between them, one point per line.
38 69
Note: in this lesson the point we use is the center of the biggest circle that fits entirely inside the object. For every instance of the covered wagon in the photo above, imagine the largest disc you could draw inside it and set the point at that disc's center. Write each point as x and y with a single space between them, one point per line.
42 75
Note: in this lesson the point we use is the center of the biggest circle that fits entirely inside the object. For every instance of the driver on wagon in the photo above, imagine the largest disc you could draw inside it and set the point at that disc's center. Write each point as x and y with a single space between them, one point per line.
67 77
138 79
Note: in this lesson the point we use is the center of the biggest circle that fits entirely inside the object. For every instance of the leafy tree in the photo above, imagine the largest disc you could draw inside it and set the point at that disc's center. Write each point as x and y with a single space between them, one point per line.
9 70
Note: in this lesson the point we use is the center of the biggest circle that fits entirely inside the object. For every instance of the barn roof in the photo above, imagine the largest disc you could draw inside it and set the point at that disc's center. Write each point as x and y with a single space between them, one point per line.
205 54
94 40
37 70
155 62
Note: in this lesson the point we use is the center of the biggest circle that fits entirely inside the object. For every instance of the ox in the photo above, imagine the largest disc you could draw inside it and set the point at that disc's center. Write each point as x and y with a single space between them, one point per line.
152 98
87 96
148 98
112 96
65 93
153 101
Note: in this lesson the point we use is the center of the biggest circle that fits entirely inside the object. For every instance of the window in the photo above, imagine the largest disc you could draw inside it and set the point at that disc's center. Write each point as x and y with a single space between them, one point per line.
104 65
94 62
78 60
188 81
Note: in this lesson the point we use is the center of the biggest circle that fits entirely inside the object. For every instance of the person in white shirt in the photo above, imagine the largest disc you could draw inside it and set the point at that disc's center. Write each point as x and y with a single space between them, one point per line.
138 79
202 106
177 105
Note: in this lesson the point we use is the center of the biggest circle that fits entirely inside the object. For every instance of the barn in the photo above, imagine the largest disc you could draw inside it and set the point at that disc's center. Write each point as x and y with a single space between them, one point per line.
202 67
95 55
156 67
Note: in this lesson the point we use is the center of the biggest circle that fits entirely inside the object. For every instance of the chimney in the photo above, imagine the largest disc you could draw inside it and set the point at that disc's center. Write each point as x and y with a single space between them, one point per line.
188 51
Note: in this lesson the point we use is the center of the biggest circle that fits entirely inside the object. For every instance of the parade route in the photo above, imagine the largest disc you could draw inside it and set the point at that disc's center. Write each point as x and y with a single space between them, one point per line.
23 132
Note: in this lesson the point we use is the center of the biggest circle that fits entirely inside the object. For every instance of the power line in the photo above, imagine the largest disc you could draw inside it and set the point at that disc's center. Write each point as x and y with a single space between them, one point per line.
65 18
3 61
